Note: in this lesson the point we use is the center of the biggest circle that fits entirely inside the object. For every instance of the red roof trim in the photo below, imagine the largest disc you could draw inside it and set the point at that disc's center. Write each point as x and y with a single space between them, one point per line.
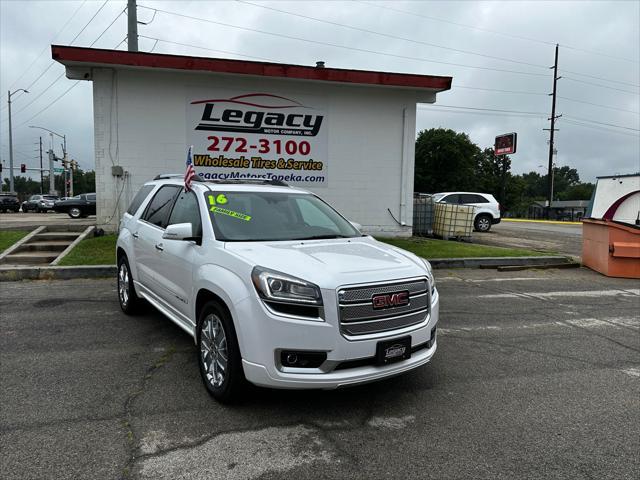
66 55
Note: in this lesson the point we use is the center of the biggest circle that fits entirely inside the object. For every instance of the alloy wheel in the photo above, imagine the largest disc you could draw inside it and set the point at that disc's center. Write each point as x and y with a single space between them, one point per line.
123 284
483 224
213 350
75 212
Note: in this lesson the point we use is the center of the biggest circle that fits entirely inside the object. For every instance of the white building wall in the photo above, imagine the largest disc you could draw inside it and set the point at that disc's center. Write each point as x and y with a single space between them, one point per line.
140 117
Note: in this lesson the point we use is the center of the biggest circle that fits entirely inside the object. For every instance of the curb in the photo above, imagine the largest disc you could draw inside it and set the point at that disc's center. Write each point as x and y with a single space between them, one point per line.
526 220
494 262
15 274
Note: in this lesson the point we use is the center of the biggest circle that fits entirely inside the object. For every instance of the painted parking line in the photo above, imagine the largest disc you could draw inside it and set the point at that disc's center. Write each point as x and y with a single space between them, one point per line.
632 371
579 293
483 280
610 322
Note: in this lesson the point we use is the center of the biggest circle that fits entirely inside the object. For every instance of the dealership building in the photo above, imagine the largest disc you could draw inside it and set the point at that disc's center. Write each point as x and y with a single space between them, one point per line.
346 135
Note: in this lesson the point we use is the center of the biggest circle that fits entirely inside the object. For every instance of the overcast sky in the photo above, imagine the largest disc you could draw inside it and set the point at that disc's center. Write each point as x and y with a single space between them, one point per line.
599 60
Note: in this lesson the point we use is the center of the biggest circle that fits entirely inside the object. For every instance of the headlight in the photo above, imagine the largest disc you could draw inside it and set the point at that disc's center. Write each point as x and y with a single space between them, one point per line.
432 279
280 287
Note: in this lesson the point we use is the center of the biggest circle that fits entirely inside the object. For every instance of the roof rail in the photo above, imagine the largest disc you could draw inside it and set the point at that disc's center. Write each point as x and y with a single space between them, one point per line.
166 176
253 181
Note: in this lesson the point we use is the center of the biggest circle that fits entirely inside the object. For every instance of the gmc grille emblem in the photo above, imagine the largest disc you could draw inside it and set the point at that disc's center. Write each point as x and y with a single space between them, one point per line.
390 300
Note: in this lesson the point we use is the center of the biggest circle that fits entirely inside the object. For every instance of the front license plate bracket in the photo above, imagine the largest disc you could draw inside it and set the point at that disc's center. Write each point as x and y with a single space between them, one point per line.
390 351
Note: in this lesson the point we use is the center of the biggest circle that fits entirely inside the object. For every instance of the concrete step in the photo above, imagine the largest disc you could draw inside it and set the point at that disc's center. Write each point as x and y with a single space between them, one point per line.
51 245
67 228
30 258
63 236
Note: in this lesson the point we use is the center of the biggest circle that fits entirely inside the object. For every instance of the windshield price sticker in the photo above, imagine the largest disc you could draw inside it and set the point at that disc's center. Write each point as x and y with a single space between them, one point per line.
221 199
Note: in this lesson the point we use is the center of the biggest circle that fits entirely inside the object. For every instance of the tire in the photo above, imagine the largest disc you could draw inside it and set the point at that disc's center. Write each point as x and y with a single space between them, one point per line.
482 223
225 385
129 301
75 212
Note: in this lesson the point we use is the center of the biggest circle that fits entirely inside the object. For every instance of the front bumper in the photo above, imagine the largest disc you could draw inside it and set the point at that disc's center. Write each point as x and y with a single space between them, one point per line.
263 337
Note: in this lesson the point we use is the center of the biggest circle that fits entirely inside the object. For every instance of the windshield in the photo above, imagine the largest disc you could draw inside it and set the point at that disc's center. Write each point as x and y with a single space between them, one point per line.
263 216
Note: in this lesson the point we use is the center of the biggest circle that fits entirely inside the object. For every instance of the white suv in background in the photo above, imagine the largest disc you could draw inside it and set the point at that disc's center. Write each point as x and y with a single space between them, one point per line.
274 286
487 211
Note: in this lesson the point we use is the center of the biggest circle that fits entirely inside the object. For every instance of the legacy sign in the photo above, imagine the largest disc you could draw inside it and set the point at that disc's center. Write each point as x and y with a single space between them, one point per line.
258 135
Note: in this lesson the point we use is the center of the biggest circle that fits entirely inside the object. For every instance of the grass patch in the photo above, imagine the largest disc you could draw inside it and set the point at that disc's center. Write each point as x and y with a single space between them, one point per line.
432 248
93 251
9 237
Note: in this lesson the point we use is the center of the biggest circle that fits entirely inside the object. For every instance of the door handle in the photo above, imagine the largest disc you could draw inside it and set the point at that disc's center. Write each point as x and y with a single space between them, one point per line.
159 247
135 235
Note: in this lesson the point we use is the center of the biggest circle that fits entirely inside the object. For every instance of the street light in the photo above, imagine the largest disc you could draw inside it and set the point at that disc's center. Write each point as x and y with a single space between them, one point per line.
52 186
11 137
63 137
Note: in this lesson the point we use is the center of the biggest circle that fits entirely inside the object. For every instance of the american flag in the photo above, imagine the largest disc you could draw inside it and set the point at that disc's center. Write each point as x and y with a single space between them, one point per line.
190 174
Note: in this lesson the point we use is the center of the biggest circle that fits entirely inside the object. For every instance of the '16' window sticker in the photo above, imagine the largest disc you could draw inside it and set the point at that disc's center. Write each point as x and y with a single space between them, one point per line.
221 199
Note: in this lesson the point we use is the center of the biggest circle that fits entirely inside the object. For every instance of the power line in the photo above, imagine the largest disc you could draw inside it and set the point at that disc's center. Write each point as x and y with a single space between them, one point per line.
90 20
492 110
495 32
356 49
395 37
50 104
53 63
498 90
599 85
595 127
601 78
57 98
108 27
47 46
206 48
490 114
599 105
601 123
40 94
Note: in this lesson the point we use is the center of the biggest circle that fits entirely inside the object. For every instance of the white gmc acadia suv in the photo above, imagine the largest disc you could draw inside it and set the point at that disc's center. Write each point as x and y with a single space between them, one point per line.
274 285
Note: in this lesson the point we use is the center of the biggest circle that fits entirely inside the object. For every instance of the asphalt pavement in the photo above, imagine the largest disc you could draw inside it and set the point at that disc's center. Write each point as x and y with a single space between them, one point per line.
537 375
31 220
560 238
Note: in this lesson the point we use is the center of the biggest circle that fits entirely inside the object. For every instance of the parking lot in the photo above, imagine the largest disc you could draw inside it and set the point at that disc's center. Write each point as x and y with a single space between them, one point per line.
563 238
26 221
537 375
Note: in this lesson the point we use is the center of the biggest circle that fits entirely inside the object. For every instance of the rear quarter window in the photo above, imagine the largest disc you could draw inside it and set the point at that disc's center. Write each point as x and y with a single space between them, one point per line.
138 200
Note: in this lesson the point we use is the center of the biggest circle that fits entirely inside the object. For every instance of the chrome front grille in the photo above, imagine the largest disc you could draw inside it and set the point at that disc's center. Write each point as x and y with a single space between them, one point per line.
359 317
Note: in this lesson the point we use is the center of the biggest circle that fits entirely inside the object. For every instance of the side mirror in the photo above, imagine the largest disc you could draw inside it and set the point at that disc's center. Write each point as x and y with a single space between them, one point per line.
356 225
178 231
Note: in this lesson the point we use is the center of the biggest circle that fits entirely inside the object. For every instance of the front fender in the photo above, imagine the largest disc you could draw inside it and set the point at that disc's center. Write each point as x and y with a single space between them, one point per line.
211 277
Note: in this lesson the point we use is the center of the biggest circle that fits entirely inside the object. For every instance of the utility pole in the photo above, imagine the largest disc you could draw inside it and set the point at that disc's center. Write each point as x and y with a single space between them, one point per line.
132 26
552 130
41 174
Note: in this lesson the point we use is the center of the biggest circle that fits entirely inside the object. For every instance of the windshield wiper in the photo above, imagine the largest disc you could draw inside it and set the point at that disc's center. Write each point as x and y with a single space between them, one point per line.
322 237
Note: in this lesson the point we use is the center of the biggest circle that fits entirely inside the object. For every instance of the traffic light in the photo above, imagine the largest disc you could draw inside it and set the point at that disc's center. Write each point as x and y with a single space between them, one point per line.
23 168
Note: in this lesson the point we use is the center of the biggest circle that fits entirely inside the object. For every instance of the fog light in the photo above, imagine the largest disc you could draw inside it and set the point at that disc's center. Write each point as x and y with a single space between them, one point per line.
299 359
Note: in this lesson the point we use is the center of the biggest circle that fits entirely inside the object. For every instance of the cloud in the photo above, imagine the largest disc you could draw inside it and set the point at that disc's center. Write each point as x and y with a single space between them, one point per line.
612 28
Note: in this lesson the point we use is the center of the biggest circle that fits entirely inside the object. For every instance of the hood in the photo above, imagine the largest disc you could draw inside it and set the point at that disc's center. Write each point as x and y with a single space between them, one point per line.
332 263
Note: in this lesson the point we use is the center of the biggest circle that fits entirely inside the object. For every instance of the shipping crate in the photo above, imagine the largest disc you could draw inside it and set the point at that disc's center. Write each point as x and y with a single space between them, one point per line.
453 221
423 214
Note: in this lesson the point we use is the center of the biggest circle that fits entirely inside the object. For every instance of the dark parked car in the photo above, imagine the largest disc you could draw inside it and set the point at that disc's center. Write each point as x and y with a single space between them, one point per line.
9 203
39 203
78 206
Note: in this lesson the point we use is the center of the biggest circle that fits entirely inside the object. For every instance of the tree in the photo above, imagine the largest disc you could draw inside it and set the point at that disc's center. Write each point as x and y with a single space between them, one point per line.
445 160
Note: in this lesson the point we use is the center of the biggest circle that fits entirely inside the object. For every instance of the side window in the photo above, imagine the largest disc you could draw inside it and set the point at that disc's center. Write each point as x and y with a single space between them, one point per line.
92 197
139 198
158 210
480 199
186 210
466 198
313 216
450 198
